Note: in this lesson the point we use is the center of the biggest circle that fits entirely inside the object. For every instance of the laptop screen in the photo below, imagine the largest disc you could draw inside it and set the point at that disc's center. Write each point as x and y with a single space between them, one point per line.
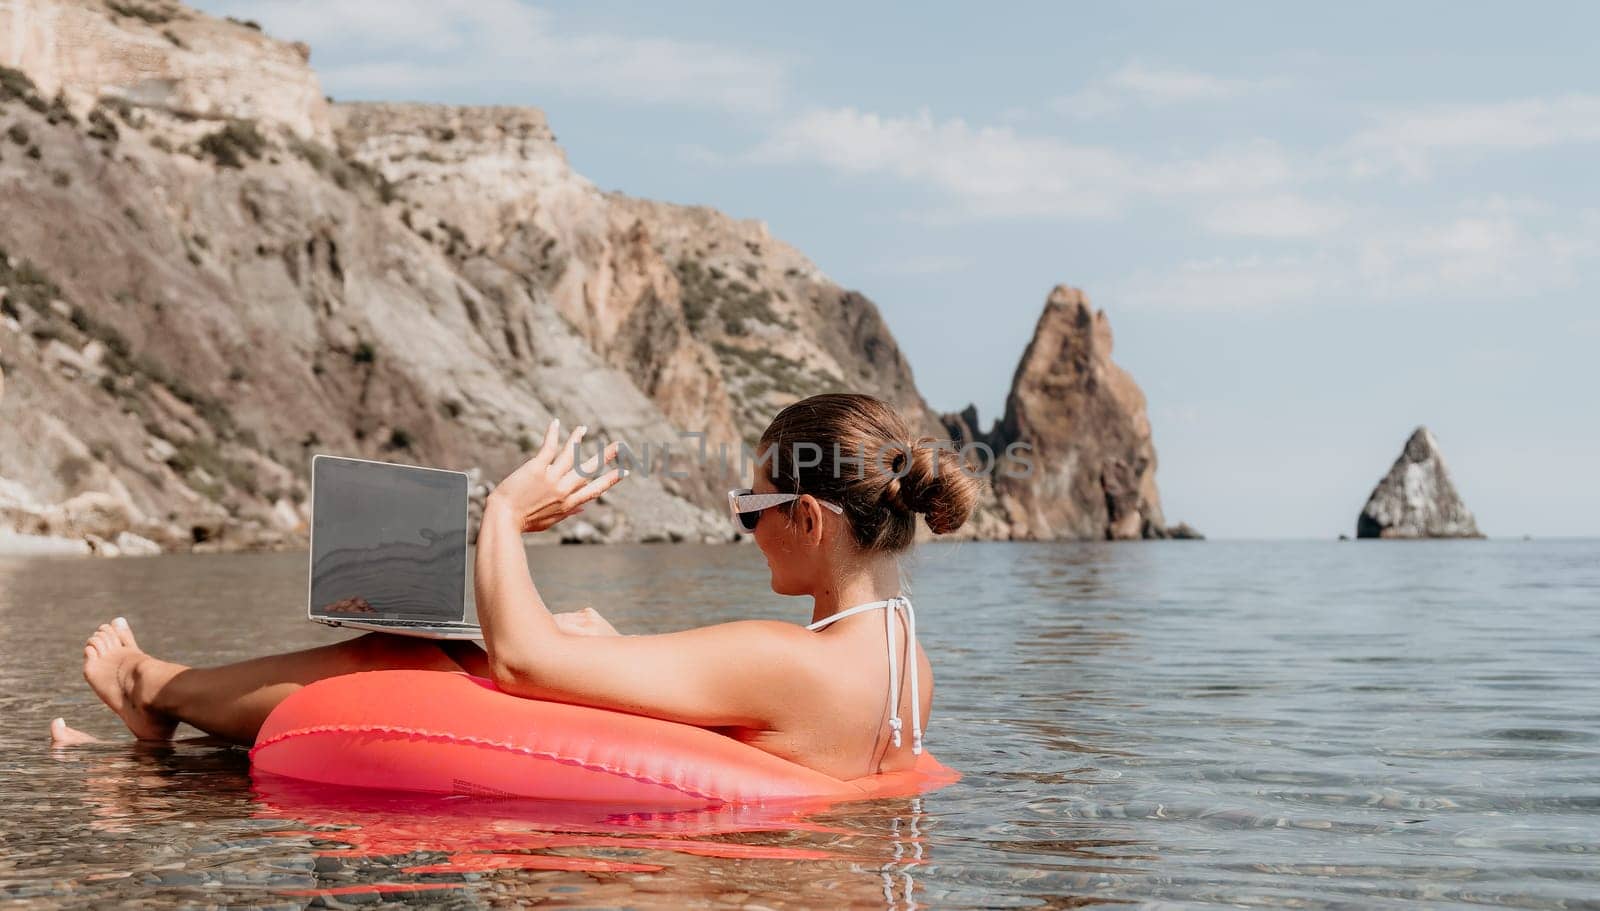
387 541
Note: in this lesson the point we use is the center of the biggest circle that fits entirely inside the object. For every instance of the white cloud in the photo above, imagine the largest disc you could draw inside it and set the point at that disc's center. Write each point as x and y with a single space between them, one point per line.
407 48
988 170
1139 84
1485 248
1168 86
1411 142
1474 257
1280 216
1253 188
1466 257
994 171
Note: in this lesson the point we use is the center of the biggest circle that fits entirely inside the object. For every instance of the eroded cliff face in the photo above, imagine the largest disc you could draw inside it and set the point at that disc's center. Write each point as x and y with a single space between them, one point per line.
716 322
1083 421
204 285
688 301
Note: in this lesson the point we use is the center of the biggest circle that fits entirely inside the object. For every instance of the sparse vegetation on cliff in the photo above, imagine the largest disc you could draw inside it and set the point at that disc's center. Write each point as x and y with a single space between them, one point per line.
101 126
16 86
708 292
231 145
348 174
765 371
58 112
146 14
27 284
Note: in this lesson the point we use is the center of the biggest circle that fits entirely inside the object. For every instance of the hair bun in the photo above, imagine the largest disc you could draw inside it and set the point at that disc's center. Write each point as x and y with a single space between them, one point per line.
932 482
879 480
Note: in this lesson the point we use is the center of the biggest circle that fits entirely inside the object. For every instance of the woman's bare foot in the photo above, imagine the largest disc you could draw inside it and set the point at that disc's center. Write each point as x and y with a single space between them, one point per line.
121 675
63 736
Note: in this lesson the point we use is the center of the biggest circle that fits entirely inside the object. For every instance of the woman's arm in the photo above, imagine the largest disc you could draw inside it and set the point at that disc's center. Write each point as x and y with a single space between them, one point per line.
730 674
585 622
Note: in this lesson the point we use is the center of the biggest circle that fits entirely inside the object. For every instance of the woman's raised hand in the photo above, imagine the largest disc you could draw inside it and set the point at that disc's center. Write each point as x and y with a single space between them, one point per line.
548 487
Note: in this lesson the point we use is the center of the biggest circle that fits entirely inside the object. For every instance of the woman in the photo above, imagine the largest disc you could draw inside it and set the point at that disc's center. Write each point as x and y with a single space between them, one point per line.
832 511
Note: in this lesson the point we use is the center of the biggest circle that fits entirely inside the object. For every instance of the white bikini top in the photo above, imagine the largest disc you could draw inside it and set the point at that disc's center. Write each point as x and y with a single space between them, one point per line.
895 604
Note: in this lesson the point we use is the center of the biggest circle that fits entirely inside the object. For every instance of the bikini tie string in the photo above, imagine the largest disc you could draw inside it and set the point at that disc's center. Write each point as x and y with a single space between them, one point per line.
895 604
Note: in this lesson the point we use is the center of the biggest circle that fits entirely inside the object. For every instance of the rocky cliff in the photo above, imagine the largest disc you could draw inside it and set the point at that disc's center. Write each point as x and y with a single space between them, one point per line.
1083 421
1417 499
208 272
160 55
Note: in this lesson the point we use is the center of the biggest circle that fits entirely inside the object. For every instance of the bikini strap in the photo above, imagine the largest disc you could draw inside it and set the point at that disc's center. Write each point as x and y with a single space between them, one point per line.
897 603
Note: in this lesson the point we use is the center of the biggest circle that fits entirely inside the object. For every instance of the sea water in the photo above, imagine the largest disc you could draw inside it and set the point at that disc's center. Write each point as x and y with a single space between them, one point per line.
1297 724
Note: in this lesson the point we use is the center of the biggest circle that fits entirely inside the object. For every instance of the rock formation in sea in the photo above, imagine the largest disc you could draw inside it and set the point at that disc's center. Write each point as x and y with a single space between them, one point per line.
1083 419
209 271
1417 499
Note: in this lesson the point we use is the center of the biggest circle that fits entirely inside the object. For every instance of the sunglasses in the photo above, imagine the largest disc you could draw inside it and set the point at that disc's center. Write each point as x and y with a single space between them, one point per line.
746 506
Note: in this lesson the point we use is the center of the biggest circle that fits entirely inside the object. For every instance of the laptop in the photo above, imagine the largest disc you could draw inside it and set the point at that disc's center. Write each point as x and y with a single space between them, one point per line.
389 548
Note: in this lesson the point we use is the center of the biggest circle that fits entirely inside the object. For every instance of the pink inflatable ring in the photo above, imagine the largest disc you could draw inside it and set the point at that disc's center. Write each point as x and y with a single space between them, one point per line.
443 733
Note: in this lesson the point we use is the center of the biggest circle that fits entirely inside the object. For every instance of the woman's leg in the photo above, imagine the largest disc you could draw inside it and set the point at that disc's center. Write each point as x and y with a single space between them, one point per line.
232 701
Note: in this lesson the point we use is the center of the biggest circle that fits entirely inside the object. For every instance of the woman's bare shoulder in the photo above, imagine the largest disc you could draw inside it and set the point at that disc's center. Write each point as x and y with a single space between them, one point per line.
761 630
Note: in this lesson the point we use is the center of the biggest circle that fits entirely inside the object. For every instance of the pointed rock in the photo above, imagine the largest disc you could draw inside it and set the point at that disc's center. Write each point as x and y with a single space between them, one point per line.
1416 498
1082 418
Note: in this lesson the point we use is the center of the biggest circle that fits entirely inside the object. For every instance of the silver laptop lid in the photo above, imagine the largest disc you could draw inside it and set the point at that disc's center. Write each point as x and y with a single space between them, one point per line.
387 541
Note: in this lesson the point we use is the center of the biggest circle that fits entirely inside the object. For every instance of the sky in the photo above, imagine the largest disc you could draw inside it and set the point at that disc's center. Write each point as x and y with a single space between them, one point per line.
1313 228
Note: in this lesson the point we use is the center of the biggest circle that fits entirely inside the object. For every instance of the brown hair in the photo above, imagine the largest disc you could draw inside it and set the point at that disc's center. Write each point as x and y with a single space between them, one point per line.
895 478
